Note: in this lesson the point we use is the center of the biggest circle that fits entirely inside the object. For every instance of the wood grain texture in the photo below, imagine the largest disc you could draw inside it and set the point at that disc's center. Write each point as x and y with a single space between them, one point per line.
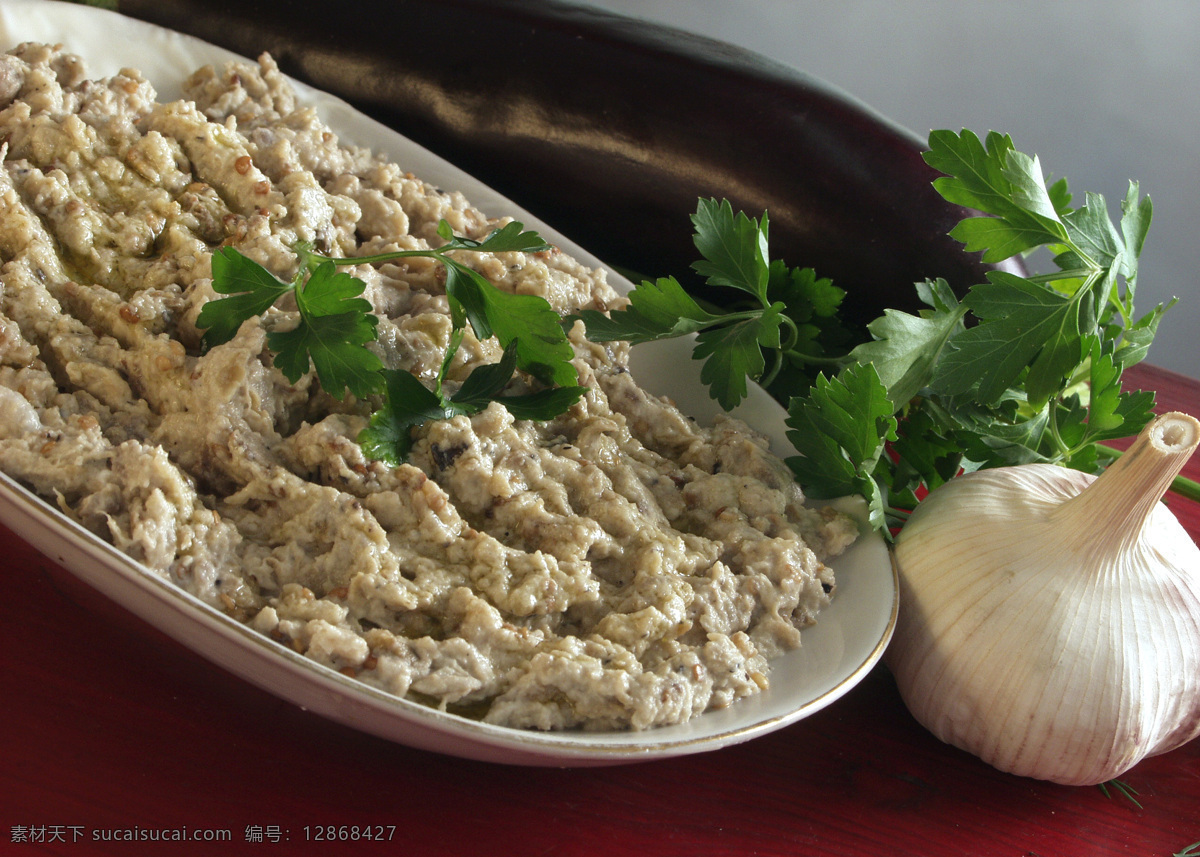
110 724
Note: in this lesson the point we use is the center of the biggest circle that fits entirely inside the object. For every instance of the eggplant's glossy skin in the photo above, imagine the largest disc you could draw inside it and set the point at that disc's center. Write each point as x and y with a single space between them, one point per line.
610 129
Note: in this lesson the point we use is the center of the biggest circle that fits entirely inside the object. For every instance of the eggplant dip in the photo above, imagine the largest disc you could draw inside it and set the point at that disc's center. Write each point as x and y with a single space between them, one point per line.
615 567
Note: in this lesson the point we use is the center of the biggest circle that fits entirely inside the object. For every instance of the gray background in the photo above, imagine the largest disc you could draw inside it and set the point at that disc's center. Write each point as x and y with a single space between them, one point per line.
1102 91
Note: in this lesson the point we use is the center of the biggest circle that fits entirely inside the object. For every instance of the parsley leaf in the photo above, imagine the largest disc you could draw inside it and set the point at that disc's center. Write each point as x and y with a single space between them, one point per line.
1021 320
840 430
388 435
334 328
809 298
997 180
1111 412
733 247
335 323
543 349
252 290
508 238
733 352
527 322
1024 368
906 348
657 310
1033 331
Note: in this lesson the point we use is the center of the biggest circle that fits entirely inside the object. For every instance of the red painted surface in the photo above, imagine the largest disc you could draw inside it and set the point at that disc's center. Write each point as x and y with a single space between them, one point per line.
107 724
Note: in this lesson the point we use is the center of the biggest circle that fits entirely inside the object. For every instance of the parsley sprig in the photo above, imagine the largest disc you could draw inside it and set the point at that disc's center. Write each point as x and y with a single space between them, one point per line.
1023 369
1020 369
788 317
335 327
388 435
542 348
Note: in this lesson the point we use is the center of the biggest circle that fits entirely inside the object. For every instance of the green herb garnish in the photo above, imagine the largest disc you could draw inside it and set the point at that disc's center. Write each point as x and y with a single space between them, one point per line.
1021 369
388 435
779 319
336 327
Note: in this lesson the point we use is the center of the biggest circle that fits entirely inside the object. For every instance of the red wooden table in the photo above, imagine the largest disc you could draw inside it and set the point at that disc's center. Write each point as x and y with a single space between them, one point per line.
110 726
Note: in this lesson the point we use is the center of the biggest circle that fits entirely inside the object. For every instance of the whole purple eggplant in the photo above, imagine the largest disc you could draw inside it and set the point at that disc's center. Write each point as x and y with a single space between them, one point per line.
610 129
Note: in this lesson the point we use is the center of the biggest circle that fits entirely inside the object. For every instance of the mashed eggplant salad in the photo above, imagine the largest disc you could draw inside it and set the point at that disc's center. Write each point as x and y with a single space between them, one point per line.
613 566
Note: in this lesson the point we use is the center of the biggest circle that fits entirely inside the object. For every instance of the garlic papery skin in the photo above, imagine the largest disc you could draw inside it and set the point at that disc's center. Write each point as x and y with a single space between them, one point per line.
1049 620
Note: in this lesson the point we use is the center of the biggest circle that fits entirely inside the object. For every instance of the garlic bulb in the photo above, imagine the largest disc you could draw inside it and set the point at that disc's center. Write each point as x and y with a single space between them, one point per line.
1049 619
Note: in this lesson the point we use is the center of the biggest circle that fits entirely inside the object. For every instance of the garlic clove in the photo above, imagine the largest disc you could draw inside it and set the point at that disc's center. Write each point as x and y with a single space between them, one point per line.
1049 620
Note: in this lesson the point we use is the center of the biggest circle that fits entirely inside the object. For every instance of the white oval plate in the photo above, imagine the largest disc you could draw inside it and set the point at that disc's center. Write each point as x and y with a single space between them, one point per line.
837 652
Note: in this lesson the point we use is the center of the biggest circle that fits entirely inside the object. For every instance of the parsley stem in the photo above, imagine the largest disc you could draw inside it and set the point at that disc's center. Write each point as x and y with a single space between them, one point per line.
1052 425
1184 487
1065 274
384 257
769 376
793 333
815 359
742 315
